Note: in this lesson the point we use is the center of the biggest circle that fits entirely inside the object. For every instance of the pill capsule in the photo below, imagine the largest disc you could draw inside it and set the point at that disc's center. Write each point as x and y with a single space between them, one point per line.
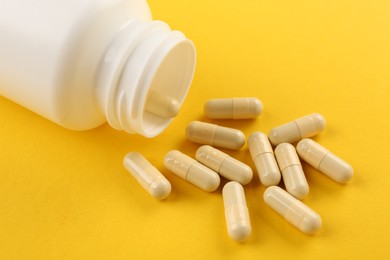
233 108
236 212
324 161
147 175
223 164
293 210
161 105
291 168
298 129
192 171
214 135
264 159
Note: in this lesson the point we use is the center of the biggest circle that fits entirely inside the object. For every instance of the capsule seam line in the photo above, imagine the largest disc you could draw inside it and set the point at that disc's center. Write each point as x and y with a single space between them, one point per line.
189 168
261 154
290 166
233 112
222 163
213 138
322 160
300 131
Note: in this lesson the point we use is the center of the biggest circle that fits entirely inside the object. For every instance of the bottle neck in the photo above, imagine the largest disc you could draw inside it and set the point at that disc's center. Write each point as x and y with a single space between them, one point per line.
143 57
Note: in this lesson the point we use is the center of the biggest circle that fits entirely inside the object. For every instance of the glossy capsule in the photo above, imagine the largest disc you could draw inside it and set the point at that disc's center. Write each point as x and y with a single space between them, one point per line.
293 176
233 108
324 161
223 164
236 211
147 175
214 135
298 129
161 105
264 159
293 210
192 171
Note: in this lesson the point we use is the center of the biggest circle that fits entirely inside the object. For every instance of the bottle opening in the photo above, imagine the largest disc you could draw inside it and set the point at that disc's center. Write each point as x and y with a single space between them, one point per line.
145 77
168 88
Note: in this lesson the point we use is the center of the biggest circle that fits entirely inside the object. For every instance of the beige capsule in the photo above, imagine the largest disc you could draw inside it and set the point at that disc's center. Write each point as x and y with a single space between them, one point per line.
192 171
223 164
161 105
324 161
293 176
264 159
214 135
147 175
236 211
233 108
298 129
293 210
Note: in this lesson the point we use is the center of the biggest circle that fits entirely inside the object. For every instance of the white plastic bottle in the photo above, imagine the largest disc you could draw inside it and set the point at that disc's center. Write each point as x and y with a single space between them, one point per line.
81 63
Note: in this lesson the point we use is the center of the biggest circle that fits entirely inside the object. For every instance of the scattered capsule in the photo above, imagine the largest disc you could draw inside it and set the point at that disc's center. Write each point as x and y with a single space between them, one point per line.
293 176
161 105
192 171
214 135
147 175
236 211
324 161
293 210
233 108
223 164
298 129
264 159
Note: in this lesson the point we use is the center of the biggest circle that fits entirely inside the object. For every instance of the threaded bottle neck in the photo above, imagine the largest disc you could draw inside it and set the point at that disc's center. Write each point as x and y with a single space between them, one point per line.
143 58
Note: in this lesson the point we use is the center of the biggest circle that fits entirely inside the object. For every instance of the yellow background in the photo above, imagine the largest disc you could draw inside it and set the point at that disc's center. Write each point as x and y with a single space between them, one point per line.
65 194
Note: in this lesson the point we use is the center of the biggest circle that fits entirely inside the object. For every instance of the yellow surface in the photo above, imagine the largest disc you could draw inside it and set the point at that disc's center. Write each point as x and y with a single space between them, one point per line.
65 194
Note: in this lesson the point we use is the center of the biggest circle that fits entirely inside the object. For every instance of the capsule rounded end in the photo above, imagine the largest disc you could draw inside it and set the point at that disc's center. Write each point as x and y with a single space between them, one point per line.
299 192
213 183
170 158
208 109
257 137
283 148
246 175
128 157
239 140
269 191
254 137
202 152
257 106
311 224
191 128
160 190
307 152
336 168
172 108
345 175
275 137
240 233
320 121
287 133
272 178
229 138
303 145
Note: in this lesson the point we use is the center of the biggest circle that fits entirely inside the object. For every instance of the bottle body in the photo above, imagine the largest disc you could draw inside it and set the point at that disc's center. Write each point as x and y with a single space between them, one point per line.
67 61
